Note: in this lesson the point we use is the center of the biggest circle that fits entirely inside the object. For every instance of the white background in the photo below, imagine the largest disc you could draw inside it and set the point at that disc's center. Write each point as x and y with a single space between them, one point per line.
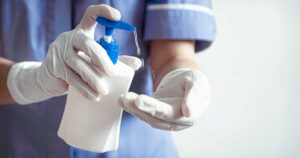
254 69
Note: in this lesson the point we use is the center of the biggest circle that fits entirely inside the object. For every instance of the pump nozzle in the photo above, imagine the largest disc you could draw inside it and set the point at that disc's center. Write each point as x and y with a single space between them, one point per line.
111 25
107 42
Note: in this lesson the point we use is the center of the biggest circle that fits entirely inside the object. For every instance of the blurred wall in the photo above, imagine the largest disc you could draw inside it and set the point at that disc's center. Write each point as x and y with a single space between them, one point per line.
254 67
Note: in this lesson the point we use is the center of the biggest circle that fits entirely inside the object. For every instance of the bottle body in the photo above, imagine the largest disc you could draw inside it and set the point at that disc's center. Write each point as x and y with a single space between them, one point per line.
95 126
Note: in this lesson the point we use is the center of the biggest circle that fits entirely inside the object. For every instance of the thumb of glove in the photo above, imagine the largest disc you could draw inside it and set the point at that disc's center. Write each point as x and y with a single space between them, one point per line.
133 62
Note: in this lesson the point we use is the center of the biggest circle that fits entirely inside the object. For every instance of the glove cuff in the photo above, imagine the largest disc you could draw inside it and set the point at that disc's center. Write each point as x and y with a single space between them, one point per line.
172 74
24 83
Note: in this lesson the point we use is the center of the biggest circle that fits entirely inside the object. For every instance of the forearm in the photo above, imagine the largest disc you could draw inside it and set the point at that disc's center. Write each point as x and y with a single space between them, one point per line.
167 55
5 66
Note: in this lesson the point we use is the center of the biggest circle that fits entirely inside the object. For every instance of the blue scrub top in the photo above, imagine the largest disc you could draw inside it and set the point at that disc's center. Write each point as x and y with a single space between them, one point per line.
29 26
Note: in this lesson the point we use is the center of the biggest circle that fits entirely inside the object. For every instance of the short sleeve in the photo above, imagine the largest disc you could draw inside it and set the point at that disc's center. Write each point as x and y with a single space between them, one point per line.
181 19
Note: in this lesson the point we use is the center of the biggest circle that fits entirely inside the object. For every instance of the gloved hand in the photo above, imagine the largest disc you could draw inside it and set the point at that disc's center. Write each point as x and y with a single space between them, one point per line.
179 100
30 82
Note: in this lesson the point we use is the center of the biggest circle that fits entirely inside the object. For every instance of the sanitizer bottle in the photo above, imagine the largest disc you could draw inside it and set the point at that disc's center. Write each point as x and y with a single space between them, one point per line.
95 126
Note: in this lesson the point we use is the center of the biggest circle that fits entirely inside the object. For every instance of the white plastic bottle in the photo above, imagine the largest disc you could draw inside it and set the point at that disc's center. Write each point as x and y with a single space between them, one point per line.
95 126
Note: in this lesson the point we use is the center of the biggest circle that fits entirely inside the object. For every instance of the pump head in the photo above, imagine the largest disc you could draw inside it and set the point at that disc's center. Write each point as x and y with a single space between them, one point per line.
110 45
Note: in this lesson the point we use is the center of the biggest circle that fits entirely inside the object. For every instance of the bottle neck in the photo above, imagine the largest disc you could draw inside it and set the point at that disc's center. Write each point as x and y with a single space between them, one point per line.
107 39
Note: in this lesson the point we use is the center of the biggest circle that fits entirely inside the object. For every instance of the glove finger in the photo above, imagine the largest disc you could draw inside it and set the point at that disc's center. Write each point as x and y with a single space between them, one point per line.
87 73
128 103
75 81
162 110
157 108
127 100
133 62
96 52
88 22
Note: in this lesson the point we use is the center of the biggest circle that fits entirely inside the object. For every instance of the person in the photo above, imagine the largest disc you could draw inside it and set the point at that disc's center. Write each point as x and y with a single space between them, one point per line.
169 33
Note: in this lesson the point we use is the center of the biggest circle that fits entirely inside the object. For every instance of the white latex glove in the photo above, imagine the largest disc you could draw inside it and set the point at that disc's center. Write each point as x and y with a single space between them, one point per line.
30 82
179 100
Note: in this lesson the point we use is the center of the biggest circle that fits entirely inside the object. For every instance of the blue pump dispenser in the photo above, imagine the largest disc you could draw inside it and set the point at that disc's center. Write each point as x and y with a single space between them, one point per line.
110 45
